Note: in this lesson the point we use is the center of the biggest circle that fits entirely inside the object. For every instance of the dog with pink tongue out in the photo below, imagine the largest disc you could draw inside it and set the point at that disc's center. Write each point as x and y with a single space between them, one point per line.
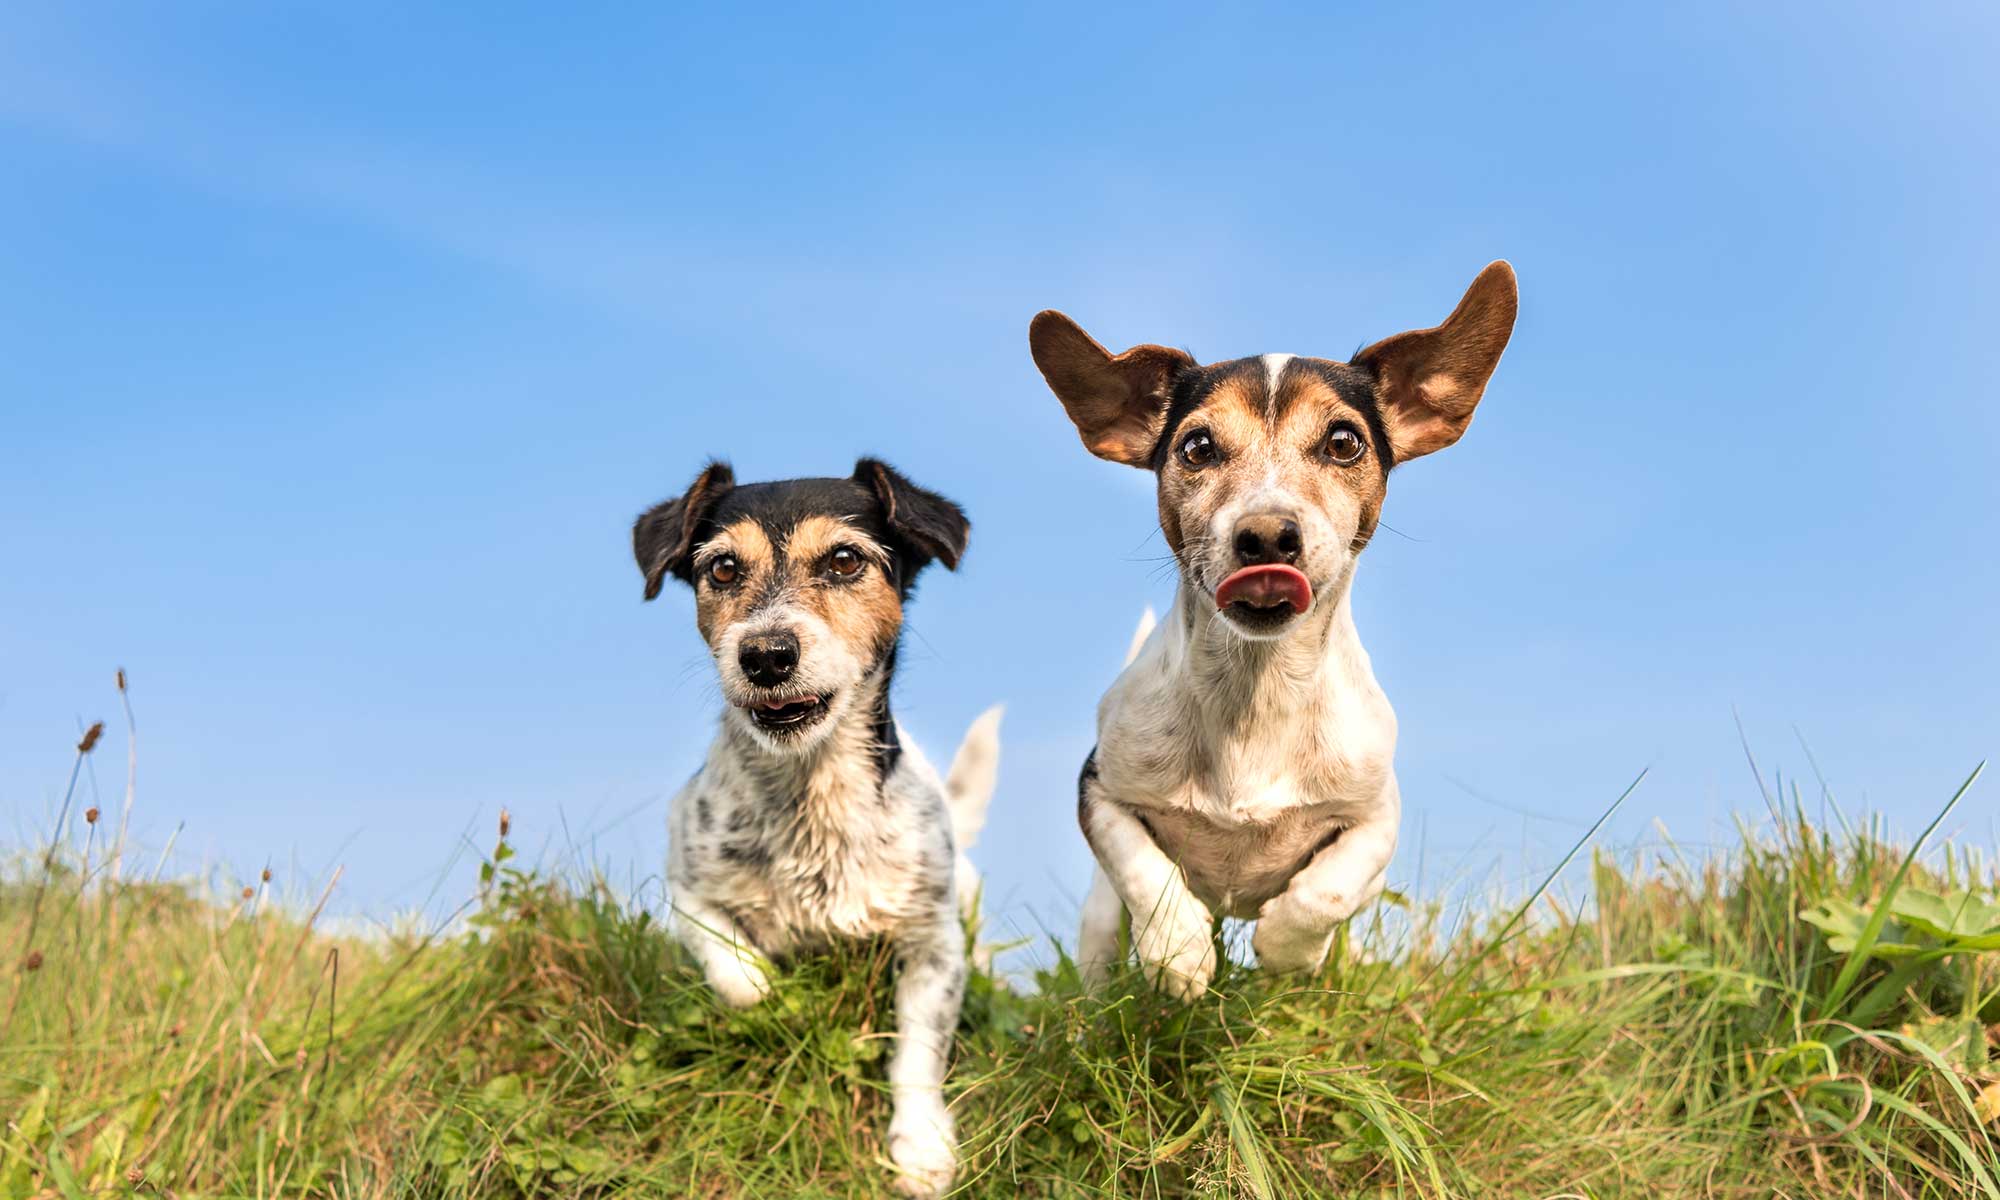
1244 763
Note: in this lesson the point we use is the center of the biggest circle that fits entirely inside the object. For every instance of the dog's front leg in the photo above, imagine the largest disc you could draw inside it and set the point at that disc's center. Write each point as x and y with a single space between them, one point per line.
1097 940
1172 930
727 956
1295 928
929 988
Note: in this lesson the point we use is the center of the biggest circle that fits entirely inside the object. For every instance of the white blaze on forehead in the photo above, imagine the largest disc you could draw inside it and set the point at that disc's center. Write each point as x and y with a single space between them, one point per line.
1274 370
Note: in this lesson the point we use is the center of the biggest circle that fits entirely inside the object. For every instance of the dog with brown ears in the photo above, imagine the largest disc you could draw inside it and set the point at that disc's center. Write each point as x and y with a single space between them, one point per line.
1244 760
815 817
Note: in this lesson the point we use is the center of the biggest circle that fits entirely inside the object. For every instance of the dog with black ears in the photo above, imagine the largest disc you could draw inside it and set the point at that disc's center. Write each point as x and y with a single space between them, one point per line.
1245 758
815 817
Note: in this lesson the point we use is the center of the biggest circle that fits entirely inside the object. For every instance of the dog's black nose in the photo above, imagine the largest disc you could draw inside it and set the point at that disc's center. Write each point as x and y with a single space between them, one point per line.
1268 538
768 658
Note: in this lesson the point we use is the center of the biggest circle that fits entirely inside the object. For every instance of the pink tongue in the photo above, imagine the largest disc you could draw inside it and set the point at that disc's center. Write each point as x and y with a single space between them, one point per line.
1266 585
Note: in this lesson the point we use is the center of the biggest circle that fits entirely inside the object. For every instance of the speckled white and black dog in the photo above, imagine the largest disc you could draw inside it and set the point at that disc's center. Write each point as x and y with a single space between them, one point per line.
814 817
1244 759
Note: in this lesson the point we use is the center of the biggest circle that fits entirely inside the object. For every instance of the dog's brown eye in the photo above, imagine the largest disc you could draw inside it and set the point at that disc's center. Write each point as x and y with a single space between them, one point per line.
844 562
722 572
1198 449
1344 444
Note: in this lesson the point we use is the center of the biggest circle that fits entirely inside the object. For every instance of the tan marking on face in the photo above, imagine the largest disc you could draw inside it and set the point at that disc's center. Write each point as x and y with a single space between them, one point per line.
1233 415
813 538
1278 456
863 612
1309 409
717 607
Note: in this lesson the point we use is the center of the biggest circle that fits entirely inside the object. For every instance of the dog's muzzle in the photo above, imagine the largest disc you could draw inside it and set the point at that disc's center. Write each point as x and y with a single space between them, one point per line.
787 714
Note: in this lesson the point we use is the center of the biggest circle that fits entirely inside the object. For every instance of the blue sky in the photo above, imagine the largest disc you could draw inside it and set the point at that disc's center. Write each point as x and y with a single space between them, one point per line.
340 344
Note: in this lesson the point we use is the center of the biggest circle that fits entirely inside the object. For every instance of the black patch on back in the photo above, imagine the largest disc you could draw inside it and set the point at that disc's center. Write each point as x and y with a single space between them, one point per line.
1084 779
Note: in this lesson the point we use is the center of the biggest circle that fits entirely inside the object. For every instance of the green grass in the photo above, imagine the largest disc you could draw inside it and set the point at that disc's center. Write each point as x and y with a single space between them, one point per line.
1808 1015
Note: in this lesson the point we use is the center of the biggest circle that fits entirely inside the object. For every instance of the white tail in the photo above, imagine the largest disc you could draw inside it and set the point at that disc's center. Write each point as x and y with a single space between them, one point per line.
975 769
1146 623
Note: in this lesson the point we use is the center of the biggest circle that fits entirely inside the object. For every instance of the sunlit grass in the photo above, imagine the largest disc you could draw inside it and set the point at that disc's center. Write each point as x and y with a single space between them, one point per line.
1686 1030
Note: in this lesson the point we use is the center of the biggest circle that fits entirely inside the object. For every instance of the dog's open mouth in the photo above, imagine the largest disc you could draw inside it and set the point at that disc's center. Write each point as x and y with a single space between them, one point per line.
786 713
1266 594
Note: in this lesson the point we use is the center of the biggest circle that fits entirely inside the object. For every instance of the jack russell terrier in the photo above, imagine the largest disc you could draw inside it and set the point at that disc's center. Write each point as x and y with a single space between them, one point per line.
815 817
1244 758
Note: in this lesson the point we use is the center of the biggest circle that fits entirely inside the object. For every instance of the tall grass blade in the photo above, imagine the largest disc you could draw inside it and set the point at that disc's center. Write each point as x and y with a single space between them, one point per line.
1857 959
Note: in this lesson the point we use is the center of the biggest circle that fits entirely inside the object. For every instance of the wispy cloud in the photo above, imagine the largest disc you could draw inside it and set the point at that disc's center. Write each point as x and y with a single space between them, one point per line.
531 233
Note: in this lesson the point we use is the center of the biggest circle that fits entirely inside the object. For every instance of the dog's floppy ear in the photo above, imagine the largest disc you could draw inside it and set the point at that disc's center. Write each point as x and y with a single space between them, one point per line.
924 524
663 537
1429 380
1117 401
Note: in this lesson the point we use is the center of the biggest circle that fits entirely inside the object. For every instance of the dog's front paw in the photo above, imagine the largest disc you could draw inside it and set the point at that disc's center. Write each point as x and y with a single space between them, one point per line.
1289 939
739 980
1178 951
923 1147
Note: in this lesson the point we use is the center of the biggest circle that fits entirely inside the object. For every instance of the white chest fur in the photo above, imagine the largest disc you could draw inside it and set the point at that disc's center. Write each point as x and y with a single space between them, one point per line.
1243 757
828 852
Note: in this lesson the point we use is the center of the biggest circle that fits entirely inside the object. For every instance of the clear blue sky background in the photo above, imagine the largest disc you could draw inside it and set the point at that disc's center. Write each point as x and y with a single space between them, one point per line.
339 345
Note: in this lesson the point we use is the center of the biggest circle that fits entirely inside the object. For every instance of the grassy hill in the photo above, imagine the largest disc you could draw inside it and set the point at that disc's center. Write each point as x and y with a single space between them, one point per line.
1792 1019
